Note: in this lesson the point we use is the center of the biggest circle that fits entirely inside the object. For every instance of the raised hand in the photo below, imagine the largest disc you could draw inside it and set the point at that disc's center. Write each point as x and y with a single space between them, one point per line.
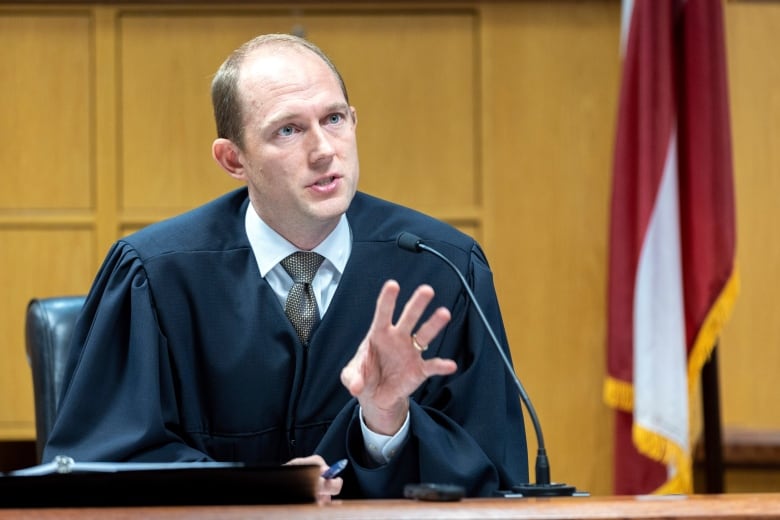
388 365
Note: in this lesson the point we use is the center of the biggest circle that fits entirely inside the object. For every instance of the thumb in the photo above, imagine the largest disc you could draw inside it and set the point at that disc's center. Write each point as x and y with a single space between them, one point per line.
352 378
440 367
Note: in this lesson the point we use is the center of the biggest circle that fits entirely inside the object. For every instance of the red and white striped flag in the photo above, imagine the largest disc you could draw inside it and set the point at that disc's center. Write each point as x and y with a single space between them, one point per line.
672 275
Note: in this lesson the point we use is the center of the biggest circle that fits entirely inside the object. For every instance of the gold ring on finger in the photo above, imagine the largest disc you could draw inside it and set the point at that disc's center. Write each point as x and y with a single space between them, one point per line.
416 344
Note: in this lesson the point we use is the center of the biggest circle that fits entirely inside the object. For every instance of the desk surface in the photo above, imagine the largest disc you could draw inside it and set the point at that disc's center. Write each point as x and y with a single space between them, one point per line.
727 506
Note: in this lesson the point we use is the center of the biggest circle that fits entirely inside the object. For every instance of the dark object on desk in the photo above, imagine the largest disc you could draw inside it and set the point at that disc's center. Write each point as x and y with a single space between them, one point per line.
434 492
174 485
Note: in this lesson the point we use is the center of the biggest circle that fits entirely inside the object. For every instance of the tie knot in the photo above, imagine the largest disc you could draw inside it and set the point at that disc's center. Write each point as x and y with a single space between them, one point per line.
302 265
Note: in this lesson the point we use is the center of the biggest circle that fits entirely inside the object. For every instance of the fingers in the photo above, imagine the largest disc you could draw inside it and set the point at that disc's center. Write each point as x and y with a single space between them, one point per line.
311 459
440 367
414 309
351 375
326 488
412 312
432 326
385 304
385 339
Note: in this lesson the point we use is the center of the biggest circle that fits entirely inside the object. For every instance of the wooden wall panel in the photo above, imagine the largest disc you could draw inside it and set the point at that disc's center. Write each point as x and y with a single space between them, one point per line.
47 195
36 262
551 75
46 123
166 64
750 347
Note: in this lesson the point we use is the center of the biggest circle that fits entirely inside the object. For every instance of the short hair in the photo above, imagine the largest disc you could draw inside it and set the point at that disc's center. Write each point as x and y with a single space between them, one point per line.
228 110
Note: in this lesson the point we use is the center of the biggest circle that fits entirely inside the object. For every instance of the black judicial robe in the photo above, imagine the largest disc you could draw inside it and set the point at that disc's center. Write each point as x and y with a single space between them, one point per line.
184 353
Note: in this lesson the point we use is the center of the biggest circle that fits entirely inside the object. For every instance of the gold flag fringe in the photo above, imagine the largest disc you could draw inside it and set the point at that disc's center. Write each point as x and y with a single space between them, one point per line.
620 395
711 328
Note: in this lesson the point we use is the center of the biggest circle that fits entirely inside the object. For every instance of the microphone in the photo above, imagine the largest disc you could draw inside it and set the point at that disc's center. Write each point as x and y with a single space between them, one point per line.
543 487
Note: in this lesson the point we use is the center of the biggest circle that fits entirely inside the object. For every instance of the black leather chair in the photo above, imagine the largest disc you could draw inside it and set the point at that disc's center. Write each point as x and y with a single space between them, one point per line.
49 327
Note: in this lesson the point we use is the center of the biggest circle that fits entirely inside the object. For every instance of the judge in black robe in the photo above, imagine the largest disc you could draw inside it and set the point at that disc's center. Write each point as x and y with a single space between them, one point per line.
183 353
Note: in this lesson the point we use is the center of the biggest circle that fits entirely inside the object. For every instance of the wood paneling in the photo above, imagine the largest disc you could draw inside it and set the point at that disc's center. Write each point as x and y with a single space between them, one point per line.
551 73
36 261
166 62
750 347
46 107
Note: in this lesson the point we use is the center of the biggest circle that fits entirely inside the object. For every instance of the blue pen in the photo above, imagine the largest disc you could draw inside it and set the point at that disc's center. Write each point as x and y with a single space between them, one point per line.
335 469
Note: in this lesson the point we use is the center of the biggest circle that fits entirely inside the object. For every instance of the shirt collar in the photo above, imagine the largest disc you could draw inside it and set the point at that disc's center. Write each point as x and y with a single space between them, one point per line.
270 247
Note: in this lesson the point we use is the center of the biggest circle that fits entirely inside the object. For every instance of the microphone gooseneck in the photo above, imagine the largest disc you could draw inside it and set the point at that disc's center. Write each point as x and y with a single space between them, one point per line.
543 486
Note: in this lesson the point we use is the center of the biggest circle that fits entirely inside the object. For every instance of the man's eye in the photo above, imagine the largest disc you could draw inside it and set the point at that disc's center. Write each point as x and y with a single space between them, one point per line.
286 130
335 118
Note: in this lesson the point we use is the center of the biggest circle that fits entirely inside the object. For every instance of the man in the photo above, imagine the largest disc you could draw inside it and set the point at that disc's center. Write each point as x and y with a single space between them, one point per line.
183 351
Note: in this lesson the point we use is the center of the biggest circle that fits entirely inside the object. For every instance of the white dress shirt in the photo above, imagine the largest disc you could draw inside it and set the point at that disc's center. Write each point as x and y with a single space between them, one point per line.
270 248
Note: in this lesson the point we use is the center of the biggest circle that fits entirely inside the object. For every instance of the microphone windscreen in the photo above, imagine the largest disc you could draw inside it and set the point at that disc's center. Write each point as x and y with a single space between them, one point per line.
409 242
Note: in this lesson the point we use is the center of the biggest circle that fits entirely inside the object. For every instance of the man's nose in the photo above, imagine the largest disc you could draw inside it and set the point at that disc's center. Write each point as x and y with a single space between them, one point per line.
321 144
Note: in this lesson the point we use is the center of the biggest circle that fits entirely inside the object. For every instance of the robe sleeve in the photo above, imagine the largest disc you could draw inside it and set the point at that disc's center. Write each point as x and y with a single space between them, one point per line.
465 429
119 364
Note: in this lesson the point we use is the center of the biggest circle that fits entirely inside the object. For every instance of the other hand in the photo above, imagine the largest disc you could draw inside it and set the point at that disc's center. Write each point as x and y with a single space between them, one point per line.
326 488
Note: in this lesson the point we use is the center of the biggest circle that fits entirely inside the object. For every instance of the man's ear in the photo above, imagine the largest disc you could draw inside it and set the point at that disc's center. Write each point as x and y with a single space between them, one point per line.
228 155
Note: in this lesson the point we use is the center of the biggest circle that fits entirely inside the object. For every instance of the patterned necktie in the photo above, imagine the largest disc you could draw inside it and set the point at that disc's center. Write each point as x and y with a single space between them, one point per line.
301 305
